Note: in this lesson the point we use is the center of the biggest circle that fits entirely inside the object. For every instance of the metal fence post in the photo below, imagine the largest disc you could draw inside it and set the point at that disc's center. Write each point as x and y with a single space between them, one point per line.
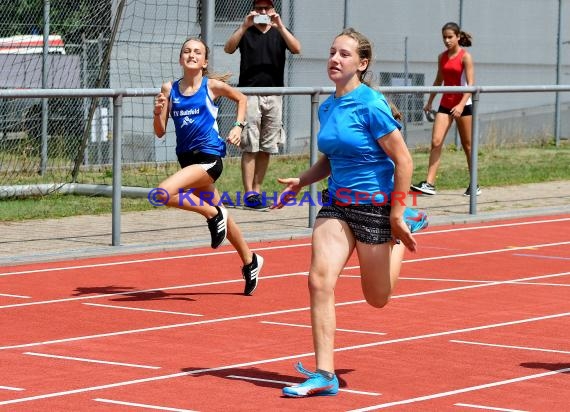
474 153
45 103
558 75
313 155
207 27
117 160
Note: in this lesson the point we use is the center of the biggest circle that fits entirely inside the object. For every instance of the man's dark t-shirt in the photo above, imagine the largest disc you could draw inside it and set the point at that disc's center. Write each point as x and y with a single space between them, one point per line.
262 60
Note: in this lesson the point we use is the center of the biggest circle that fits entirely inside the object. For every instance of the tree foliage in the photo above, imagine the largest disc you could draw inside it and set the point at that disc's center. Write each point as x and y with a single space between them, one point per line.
69 18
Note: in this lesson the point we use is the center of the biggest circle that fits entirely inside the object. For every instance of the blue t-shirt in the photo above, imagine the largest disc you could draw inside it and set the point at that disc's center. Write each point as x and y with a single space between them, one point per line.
195 121
350 127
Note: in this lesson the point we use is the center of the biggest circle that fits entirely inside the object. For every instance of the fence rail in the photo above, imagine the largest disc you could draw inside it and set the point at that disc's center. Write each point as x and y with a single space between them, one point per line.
118 95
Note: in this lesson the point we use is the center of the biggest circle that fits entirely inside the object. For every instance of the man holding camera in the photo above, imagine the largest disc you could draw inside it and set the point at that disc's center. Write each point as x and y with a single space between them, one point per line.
262 40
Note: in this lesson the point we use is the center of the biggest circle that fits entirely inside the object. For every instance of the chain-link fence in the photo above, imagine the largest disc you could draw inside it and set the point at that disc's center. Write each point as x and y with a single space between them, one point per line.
136 43
41 139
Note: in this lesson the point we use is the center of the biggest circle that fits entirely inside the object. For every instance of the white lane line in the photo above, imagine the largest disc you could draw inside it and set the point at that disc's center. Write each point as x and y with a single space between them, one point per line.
134 292
132 365
256 315
291 357
14 296
142 310
136 261
479 285
10 388
540 284
155 328
462 390
247 378
486 252
542 256
509 346
452 332
157 259
145 380
497 226
420 279
296 325
142 405
446 280
240 280
487 408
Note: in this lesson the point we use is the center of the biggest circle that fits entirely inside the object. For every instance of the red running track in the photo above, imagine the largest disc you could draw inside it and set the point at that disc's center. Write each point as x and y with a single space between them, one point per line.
480 320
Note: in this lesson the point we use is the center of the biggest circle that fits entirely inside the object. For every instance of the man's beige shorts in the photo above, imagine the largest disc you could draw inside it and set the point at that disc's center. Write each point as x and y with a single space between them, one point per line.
264 130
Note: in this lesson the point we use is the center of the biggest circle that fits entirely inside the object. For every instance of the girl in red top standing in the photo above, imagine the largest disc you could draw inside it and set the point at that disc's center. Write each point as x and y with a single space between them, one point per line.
455 68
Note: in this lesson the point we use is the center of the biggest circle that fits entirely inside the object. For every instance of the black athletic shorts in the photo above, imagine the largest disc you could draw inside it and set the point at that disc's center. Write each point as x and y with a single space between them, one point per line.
369 223
467 110
212 164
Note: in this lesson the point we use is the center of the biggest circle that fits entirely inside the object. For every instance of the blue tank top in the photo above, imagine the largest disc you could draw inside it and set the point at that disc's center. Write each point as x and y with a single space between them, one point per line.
195 121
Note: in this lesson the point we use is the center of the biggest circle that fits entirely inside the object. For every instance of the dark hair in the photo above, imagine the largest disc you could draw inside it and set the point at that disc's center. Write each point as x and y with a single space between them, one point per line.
465 39
363 48
205 72
270 1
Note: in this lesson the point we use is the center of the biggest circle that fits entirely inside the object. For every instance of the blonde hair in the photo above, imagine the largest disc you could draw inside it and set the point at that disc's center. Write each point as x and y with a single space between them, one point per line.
396 114
224 77
364 50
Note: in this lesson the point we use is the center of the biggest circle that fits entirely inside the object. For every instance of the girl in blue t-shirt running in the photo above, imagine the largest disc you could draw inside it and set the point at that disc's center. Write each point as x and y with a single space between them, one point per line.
369 169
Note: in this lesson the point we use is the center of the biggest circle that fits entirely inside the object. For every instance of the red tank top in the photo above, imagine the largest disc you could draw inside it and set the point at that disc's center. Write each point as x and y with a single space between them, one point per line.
453 75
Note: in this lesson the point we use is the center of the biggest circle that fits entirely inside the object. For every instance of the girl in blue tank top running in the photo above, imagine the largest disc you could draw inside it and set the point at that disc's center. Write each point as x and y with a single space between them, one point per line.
190 102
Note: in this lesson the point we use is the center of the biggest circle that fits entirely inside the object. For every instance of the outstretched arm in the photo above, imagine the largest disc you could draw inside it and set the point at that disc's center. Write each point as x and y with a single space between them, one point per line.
161 109
293 185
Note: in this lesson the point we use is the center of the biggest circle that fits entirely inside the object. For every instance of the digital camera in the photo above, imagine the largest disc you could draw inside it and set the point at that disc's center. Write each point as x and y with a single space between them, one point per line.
261 19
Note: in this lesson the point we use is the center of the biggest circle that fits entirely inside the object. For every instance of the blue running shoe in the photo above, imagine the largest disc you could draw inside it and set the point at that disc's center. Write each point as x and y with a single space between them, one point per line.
415 219
316 385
